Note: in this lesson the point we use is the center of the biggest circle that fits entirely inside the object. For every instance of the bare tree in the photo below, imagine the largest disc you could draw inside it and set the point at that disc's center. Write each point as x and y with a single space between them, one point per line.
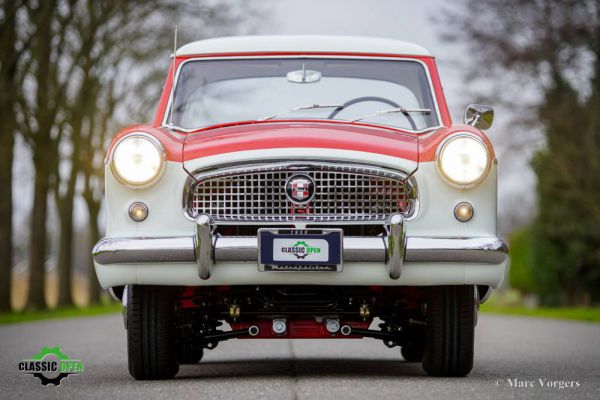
551 49
9 58
39 110
79 62
91 18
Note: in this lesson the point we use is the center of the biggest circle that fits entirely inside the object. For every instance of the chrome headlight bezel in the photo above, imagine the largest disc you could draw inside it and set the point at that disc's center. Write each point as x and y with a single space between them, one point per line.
450 180
161 154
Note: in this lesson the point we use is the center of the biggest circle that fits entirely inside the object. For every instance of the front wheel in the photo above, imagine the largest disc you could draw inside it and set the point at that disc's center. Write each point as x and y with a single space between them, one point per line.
151 332
450 330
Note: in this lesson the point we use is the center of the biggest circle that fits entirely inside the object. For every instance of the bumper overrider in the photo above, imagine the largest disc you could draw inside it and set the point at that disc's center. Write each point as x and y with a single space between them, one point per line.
207 250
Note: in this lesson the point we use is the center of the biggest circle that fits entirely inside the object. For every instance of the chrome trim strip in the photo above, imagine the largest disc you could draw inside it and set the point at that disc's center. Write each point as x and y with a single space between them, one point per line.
236 248
245 248
396 245
224 170
484 250
227 170
203 245
476 250
306 222
364 249
144 250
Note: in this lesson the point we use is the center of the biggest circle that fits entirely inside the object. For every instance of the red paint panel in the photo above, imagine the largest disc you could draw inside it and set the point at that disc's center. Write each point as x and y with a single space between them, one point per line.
439 91
288 134
427 60
298 329
248 137
294 134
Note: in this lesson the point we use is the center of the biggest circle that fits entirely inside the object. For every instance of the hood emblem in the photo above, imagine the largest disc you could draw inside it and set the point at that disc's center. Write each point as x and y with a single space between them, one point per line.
300 189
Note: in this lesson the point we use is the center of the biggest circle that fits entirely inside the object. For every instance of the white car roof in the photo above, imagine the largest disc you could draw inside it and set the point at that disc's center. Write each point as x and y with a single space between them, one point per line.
302 43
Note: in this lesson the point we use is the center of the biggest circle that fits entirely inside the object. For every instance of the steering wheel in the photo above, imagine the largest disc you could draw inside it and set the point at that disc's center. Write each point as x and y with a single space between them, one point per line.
372 98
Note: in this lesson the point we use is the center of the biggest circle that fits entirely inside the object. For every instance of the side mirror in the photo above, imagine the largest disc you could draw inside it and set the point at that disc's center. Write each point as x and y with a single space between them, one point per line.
479 116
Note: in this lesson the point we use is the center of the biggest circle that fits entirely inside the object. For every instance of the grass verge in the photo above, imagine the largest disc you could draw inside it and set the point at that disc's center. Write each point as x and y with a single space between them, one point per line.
591 314
59 313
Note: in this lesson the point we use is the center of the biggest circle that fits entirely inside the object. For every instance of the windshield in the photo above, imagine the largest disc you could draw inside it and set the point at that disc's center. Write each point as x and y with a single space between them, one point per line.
224 91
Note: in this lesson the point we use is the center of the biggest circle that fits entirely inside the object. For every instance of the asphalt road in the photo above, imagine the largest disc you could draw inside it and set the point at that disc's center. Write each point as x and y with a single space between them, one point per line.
507 349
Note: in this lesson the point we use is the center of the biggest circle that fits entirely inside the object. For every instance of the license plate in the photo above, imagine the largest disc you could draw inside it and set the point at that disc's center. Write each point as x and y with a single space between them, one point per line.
303 250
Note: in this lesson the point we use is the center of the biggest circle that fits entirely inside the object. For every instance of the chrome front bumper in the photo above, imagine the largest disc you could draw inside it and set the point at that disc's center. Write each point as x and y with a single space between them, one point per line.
206 249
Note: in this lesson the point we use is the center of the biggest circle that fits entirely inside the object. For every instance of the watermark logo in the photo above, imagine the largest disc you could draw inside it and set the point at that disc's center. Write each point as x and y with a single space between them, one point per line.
517 383
301 250
51 366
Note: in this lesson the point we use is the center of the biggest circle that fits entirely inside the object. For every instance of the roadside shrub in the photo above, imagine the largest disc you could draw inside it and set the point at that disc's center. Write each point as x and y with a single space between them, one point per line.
521 274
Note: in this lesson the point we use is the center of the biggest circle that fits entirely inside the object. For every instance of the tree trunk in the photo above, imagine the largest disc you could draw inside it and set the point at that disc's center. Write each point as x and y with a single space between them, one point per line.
65 206
37 244
93 286
65 251
6 158
44 149
8 72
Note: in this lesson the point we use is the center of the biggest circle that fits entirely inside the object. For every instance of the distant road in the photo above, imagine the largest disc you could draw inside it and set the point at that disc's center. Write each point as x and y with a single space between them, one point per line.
507 348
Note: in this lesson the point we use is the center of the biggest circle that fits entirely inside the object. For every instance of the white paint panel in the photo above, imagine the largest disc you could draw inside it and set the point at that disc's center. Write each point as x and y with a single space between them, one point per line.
302 43
303 153
435 215
246 273
435 218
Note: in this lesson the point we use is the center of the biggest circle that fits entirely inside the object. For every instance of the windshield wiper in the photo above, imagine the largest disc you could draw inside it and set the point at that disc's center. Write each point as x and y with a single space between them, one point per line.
404 111
305 107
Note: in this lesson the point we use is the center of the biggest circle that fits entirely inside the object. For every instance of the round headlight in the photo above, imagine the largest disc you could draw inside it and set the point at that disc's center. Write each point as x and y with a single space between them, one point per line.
463 160
137 160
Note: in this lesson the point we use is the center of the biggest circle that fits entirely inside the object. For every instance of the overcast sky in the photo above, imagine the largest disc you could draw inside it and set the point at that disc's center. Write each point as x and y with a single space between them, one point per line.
399 19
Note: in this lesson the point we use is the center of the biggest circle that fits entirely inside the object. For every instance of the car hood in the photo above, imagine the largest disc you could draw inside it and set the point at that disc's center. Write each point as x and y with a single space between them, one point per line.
301 140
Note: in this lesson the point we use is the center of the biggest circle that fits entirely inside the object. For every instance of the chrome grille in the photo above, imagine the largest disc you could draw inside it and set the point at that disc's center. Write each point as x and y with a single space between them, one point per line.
343 193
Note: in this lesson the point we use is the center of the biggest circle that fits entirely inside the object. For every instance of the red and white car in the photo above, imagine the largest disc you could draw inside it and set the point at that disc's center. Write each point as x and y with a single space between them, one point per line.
302 187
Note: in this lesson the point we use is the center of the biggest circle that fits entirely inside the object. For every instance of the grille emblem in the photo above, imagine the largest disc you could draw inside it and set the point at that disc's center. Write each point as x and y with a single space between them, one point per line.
300 189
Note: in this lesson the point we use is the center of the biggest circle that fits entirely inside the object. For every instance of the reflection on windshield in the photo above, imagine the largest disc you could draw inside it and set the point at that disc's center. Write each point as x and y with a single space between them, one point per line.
216 92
